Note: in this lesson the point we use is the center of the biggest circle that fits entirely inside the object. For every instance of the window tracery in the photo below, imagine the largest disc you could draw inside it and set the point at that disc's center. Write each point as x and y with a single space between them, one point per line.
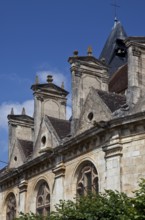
87 180
11 207
43 200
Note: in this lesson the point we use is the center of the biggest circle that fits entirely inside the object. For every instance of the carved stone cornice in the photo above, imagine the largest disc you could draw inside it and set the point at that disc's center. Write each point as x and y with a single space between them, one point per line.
31 169
59 170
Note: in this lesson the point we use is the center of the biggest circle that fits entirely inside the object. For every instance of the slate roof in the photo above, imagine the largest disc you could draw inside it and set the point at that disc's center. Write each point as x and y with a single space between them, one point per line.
112 100
119 81
113 41
62 127
27 147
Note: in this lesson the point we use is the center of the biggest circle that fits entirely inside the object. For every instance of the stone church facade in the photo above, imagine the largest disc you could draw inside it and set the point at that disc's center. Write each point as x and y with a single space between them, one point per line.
102 146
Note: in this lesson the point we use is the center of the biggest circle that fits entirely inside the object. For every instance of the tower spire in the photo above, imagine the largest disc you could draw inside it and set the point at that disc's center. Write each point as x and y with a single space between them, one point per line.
115 10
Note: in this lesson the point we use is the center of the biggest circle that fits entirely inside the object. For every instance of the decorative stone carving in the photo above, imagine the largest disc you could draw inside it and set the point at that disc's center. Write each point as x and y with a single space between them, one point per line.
87 180
136 52
43 199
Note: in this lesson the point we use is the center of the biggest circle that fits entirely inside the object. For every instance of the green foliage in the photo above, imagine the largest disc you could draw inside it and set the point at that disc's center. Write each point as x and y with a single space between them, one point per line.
110 206
104 206
31 216
139 201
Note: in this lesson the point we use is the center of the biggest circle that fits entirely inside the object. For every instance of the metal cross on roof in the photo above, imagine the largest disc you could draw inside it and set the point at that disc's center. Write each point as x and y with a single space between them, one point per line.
115 8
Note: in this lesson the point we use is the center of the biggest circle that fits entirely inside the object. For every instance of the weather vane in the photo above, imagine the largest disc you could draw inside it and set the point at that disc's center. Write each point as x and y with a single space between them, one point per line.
115 7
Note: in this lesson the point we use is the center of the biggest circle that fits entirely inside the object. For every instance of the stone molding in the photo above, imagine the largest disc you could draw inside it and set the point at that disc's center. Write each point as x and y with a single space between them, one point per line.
23 186
59 170
112 151
40 98
136 52
113 147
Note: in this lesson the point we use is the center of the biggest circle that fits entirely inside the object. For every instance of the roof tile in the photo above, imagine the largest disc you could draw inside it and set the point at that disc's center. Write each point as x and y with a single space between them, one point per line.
62 127
112 100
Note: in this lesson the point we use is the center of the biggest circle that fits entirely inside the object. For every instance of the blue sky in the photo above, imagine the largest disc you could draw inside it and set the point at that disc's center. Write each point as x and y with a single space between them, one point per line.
38 36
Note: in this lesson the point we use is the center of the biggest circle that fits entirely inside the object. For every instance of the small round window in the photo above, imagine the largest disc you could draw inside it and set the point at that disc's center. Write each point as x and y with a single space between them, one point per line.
15 158
90 116
43 140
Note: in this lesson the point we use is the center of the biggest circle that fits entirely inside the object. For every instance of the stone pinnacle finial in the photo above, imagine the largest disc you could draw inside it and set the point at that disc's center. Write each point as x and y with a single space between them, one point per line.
75 53
37 80
62 85
49 79
23 111
89 51
12 111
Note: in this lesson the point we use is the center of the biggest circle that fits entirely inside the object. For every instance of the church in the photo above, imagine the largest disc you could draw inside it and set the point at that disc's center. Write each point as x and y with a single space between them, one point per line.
102 145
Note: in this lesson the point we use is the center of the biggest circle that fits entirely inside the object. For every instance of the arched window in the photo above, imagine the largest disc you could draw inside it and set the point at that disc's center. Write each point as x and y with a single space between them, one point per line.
87 179
11 207
43 200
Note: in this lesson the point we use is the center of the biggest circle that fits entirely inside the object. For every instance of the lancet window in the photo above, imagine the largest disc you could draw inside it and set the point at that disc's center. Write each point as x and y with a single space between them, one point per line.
11 207
87 180
43 200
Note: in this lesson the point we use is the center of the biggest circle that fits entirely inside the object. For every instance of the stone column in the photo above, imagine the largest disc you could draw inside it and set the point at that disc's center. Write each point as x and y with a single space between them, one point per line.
113 164
38 100
1 205
76 96
58 193
22 195
134 75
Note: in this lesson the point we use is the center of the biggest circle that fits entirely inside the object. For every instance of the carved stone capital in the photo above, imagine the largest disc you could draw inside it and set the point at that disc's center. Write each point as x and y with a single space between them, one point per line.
112 151
59 170
23 186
